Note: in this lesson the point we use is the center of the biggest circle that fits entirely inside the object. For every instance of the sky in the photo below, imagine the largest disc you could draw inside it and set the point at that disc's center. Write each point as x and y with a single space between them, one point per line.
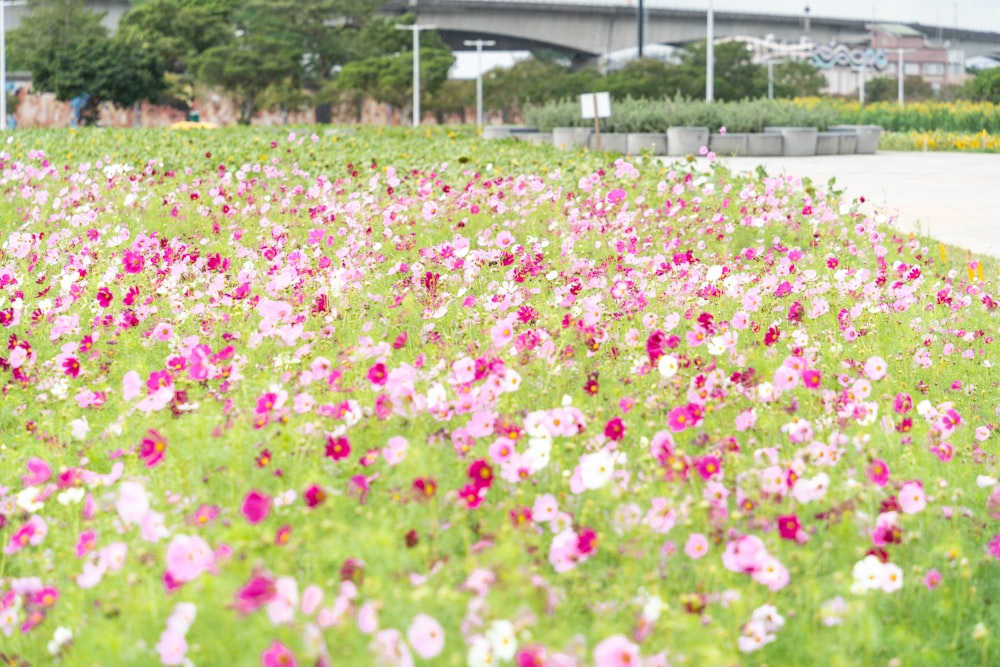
971 14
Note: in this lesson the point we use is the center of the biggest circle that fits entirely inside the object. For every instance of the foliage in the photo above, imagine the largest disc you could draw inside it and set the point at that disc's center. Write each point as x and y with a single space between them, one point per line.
981 142
246 68
796 78
985 87
386 74
108 70
51 26
179 31
736 76
967 117
886 89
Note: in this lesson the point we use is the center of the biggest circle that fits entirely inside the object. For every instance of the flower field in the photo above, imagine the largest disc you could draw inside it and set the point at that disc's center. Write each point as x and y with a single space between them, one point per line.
389 398
981 142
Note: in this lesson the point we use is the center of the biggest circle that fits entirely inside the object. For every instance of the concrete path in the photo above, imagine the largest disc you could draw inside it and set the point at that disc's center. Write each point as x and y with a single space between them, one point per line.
953 197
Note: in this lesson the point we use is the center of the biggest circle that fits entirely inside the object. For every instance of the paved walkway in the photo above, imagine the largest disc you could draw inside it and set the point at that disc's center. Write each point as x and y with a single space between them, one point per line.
953 197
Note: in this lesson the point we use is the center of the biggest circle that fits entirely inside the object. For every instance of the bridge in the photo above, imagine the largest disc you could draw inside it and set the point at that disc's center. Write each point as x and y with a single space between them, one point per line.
585 31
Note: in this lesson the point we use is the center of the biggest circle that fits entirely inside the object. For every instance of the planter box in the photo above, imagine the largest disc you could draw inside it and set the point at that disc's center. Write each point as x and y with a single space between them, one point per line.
640 141
847 144
538 138
613 142
567 138
867 139
686 140
764 145
828 143
731 143
796 141
496 132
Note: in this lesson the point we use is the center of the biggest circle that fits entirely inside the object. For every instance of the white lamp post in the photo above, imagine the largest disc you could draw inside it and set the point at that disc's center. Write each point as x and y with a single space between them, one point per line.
3 59
479 44
416 28
710 54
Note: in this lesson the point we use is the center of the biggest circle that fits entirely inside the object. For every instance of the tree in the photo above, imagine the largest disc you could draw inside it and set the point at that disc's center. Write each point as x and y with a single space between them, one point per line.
327 32
886 89
246 68
177 30
797 78
106 70
985 87
385 73
736 77
49 26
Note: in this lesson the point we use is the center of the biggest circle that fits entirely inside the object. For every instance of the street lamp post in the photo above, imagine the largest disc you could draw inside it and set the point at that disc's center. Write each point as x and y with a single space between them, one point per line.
3 58
710 54
479 44
416 28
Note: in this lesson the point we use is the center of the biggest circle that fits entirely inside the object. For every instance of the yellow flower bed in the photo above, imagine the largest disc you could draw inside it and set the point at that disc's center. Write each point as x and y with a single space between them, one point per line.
980 142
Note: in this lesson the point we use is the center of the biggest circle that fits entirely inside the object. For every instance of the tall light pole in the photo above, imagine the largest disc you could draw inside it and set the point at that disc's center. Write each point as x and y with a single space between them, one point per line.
479 44
710 54
641 18
416 28
899 78
3 59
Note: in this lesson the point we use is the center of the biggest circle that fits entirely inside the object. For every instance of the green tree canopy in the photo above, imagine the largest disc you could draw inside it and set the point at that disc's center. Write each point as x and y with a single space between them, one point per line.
176 29
49 26
985 87
736 75
796 78
386 74
108 70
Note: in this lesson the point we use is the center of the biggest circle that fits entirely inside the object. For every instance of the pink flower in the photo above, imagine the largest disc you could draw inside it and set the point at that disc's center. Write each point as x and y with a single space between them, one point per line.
878 472
133 262
188 557
33 532
172 647
616 651
912 498
86 543
152 448
256 507
502 332
875 368
256 593
993 548
932 579
426 636
679 419
696 546
131 385
811 378
278 655
39 470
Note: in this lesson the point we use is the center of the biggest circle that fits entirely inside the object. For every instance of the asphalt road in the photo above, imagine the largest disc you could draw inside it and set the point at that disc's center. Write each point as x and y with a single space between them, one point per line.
953 197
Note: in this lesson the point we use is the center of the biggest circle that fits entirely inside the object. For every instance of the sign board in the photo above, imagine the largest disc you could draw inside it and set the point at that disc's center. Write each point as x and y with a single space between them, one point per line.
599 102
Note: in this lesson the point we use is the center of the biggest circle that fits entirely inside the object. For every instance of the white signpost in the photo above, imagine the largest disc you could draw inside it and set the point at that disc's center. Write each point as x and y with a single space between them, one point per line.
596 105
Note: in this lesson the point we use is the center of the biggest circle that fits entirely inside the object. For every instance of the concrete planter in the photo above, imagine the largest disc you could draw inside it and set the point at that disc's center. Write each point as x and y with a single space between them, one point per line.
796 141
640 141
539 138
613 142
828 143
731 143
686 140
764 145
568 138
496 132
867 137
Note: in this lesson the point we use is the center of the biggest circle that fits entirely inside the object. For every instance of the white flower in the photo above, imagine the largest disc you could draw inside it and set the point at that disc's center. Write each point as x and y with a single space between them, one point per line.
26 499
59 638
596 469
716 345
982 481
79 428
867 575
667 365
502 639
481 653
714 273
892 577
70 496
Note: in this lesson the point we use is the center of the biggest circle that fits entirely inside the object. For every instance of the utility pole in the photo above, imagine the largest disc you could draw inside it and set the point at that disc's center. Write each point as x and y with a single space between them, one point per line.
710 54
641 19
479 44
416 28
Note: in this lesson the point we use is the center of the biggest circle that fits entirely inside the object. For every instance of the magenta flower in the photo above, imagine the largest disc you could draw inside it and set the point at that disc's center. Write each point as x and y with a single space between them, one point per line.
256 593
878 472
679 419
133 262
314 496
39 472
256 506
993 548
789 527
152 448
278 655
615 429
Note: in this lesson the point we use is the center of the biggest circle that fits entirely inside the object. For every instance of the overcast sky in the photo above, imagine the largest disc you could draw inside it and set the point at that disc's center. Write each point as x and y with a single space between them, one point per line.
972 14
